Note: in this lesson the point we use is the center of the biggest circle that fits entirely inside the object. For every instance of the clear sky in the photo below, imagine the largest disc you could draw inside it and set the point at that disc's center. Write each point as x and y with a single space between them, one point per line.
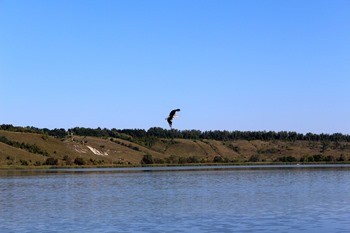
229 65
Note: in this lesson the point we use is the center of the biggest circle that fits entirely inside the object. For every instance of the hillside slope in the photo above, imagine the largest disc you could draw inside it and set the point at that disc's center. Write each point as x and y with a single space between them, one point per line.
32 149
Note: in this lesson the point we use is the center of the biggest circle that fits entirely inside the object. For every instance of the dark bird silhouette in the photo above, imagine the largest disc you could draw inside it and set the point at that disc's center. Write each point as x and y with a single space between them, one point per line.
171 117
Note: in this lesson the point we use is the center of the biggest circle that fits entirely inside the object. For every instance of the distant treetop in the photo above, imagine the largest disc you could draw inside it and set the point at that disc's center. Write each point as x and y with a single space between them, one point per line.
157 132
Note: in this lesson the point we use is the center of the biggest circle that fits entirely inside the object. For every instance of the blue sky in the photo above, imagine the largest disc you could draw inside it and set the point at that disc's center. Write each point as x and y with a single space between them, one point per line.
229 65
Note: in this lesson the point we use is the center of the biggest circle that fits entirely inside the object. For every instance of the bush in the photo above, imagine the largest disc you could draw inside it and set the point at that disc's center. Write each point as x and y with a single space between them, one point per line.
234 148
192 159
288 159
24 162
254 158
182 160
37 163
318 158
172 159
158 161
147 159
330 158
68 160
51 161
79 161
341 158
218 159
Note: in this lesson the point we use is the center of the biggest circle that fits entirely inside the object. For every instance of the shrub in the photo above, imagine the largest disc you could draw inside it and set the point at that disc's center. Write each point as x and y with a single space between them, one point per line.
234 148
51 161
158 161
254 158
341 158
288 159
318 158
147 159
37 163
172 159
133 147
68 160
192 159
24 162
79 161
182 160
330 158
218 159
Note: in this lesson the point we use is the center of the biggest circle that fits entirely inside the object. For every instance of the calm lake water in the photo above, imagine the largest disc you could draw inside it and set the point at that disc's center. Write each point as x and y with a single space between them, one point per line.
183 199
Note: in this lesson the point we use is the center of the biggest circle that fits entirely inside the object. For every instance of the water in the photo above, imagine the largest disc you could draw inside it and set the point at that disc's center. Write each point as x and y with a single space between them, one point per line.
190 199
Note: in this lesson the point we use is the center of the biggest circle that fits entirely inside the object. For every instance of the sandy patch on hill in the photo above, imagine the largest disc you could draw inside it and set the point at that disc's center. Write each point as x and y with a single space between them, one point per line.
97 152
79 150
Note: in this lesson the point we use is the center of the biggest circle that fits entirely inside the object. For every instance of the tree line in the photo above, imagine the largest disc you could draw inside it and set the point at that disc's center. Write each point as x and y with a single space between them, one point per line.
148 136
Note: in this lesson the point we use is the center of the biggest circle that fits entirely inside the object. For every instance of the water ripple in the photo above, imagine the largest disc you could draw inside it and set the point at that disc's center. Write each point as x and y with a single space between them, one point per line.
277 200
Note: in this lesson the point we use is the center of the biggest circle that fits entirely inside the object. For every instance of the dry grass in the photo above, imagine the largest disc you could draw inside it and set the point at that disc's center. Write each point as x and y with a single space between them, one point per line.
106 151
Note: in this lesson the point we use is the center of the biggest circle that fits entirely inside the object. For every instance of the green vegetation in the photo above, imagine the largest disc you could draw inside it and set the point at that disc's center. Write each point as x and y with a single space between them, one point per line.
147 159
79 161
148 137
33 147
28 147
51 161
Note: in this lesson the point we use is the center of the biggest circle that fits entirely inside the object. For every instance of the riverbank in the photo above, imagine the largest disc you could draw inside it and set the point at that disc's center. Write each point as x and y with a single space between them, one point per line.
36 150
210 165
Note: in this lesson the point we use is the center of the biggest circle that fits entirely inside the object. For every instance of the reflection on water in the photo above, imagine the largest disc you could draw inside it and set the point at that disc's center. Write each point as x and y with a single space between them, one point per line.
199 199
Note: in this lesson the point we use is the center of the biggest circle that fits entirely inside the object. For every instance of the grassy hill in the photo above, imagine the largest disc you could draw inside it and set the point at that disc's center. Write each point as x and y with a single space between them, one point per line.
38 149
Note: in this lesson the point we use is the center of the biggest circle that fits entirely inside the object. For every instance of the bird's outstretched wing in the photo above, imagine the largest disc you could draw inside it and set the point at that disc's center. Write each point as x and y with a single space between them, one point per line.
170 122
171 116
173 112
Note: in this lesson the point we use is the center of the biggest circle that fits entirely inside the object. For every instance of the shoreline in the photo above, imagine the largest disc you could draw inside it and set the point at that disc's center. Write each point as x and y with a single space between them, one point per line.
199 165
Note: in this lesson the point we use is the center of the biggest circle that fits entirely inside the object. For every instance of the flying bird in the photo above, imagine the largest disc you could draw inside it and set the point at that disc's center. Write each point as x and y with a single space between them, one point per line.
171 117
